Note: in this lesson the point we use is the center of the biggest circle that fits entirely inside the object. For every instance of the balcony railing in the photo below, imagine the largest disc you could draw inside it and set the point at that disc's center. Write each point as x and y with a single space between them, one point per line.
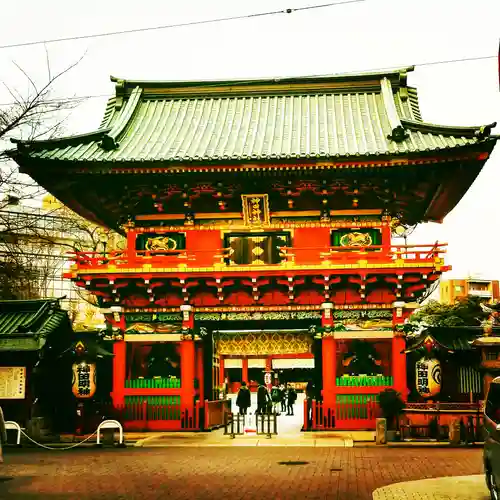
303 256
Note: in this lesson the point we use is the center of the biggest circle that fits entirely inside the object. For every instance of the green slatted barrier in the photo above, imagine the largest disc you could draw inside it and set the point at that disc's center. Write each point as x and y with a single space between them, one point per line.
153 383
364 381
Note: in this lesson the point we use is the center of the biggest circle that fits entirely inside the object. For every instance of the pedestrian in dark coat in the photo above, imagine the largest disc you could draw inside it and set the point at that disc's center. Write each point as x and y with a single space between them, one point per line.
291 398
283 398
243 399
262 399
276 398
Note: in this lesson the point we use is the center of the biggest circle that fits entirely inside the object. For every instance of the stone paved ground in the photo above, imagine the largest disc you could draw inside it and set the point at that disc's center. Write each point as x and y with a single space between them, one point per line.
216 473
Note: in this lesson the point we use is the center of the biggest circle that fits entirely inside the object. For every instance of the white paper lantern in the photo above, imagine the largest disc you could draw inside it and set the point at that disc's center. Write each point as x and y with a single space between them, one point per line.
84 379
428 377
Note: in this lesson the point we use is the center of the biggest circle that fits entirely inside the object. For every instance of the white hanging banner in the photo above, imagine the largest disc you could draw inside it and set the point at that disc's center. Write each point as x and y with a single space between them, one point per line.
256 363
280 364
233 363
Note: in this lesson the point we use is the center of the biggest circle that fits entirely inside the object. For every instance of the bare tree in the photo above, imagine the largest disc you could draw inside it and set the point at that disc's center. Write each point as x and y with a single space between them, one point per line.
30 115
33 242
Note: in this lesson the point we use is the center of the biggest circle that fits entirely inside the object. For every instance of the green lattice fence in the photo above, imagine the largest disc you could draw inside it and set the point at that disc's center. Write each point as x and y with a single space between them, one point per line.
364 381
153 383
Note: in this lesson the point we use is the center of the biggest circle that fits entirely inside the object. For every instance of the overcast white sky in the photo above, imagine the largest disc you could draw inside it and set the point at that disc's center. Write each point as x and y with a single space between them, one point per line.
355 37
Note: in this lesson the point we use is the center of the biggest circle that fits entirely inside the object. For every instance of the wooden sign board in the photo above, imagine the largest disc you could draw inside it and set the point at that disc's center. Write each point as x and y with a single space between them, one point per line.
12 382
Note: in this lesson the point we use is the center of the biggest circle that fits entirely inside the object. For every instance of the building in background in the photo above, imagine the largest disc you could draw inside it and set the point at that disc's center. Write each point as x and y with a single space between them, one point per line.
455 289
35 249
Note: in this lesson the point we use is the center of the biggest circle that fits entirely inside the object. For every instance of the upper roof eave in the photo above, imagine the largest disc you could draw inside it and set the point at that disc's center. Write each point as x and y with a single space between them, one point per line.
96 134
480 131
392 73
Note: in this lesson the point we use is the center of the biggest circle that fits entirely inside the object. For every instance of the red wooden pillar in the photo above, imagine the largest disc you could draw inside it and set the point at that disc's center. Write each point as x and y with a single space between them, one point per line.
188 371
222 371
329 350
244 370
269 364
119 364
386 234
398 348
117 320
188 359
131 240
200 373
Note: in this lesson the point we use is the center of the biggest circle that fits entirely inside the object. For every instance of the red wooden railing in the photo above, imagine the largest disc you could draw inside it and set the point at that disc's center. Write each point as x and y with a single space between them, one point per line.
421 420
342 416
215 412
143 416
303 255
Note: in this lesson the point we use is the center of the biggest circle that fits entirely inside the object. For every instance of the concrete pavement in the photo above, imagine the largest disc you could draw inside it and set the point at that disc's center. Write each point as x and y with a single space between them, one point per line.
443 488
217 438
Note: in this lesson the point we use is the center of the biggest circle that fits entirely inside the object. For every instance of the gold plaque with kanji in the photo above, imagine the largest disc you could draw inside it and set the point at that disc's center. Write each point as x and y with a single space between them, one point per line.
255 209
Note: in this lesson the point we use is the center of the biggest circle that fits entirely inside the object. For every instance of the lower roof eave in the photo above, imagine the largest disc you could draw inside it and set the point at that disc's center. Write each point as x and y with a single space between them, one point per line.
134 273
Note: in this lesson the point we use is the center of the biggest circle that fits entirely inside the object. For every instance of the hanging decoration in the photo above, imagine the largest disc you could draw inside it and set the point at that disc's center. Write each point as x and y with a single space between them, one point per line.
428 377
80 348
84 379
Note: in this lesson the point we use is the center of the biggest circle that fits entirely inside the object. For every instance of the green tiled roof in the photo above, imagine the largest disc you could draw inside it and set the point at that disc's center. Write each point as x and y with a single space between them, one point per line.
24 324
340 116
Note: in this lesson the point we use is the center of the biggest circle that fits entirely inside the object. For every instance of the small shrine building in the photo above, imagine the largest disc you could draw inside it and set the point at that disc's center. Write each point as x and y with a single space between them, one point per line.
259 217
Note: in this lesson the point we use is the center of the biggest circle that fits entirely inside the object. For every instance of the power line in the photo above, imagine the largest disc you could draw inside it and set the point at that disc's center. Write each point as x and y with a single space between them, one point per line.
428 63
179 25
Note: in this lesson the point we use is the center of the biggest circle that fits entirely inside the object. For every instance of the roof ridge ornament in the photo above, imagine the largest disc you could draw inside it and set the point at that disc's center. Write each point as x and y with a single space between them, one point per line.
398 132
485 130
109 140
120 91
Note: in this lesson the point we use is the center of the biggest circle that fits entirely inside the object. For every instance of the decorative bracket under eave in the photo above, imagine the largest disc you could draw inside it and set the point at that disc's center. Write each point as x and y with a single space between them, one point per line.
398 132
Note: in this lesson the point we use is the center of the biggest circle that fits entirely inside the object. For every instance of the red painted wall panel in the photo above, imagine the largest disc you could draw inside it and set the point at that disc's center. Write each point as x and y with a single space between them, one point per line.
313 240
204 245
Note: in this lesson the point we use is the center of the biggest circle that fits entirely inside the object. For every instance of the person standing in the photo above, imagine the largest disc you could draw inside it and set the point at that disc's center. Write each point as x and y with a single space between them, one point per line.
283 398
262 399
276 398
3 434
243 398
291 398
